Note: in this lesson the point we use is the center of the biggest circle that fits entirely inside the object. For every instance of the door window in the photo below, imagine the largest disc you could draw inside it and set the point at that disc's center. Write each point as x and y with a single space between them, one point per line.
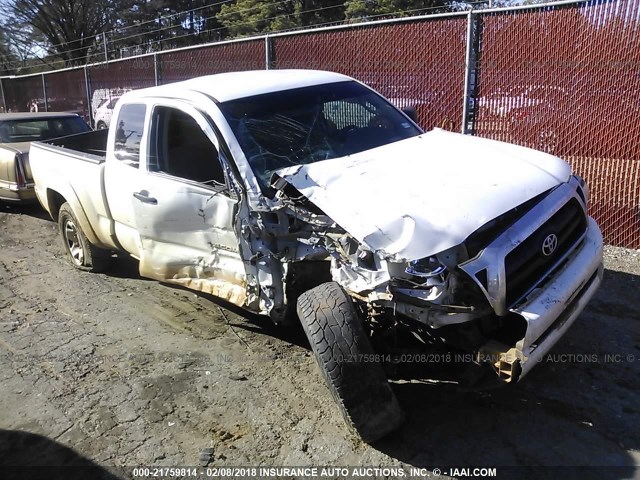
129 130
181 149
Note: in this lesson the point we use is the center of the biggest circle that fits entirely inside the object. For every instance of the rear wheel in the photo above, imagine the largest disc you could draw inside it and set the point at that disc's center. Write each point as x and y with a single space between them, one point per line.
101 125
82 253
348 363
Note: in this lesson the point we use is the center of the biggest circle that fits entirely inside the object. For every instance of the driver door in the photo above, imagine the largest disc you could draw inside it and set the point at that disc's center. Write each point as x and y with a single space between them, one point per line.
184 211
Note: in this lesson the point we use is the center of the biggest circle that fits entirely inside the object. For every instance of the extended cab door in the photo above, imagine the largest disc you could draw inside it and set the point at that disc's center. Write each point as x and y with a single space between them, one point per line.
123 173
184 211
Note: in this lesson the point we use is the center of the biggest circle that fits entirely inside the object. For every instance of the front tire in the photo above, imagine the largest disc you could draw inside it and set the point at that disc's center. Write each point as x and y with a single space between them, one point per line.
83 254
347 362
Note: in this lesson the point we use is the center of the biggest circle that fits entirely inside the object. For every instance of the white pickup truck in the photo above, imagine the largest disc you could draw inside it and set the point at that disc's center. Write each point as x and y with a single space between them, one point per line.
403 253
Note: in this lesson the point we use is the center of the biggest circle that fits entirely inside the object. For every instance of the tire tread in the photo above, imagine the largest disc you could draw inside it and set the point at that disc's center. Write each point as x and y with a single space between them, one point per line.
338 338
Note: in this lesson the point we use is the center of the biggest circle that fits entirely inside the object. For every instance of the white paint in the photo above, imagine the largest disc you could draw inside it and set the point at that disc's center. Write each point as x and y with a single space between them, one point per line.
542 310
233 85
423 195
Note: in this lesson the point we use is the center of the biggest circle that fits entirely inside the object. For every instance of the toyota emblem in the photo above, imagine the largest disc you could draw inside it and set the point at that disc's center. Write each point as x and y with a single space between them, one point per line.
549 244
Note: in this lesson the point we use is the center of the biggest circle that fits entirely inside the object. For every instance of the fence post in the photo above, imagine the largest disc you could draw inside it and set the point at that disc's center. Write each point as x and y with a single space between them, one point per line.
4 100
106 50
156 71
44 92
469 106
88 92
269 58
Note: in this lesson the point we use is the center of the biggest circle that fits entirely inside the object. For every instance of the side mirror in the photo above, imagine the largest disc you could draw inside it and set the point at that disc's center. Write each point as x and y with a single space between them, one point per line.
411 113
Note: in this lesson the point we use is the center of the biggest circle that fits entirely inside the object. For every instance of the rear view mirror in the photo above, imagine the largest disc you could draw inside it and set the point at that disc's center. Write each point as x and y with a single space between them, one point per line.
411 113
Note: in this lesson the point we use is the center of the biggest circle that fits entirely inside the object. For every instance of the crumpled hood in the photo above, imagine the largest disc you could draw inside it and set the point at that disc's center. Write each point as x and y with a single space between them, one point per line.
423 195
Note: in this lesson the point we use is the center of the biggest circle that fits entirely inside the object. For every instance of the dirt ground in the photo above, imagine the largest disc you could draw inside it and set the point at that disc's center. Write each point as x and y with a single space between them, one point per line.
126 371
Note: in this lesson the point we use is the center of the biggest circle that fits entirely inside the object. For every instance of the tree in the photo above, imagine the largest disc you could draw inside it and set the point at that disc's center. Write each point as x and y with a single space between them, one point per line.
161 24
71 27
7 56
246 17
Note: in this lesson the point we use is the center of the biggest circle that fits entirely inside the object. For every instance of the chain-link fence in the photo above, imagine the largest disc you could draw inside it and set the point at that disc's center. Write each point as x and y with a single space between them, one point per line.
24 94
414 64
67 92
560 78
565 80
220 58
106 82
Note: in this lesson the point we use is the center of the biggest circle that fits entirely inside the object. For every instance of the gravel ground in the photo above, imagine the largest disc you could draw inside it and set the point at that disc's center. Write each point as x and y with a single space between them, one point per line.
122 371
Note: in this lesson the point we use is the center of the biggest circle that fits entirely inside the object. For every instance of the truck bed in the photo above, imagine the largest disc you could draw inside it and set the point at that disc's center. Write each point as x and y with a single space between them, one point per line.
89 146
73 168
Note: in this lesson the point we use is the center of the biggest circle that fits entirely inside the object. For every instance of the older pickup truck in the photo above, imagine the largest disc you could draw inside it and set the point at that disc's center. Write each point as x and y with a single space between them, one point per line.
403 253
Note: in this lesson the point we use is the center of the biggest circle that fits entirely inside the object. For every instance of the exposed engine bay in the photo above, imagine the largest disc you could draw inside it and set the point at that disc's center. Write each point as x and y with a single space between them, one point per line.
416 311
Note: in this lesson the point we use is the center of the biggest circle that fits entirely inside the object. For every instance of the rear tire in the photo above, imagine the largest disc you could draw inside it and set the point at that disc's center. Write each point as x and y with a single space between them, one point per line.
347 362
83 254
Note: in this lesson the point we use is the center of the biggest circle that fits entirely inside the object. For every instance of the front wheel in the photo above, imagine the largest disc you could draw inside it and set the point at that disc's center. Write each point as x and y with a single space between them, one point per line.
348 363
82 253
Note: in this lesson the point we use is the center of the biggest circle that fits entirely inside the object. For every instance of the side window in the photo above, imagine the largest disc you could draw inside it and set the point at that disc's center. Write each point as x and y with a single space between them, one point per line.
129 129
180 148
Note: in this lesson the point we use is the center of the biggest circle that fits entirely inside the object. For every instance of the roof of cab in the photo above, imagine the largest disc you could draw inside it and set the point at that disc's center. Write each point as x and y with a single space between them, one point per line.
233 85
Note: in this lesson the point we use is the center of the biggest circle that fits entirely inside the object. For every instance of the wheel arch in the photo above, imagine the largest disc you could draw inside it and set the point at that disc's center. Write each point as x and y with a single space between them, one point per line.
56 199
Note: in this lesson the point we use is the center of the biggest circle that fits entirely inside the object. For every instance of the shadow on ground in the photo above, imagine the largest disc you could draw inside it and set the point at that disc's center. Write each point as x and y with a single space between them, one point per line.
26 456
32 210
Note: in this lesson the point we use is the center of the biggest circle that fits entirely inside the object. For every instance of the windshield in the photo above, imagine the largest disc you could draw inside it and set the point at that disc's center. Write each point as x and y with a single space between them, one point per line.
310 124
31 130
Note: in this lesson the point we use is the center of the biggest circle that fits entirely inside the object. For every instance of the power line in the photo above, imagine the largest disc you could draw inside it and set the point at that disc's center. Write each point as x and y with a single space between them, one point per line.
346 22
163 17
275 17
218 15
171 15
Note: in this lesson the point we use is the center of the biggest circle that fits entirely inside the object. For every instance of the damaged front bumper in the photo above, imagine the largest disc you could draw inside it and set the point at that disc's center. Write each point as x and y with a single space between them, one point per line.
551 309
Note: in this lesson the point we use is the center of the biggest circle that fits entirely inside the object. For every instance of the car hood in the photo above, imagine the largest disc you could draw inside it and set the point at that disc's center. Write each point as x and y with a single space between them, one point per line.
423 195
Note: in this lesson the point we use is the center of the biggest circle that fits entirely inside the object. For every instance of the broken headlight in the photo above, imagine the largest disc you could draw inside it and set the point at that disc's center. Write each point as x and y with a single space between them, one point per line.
425 267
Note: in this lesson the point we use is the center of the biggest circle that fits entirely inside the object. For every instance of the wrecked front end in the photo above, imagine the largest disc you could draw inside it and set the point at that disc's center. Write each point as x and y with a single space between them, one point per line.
482 312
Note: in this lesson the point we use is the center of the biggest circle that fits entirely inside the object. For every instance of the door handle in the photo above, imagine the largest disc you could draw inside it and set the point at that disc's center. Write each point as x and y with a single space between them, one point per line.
144 197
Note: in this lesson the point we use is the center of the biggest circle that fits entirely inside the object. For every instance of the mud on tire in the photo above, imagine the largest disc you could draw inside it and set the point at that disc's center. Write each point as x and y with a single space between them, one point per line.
345 356
82 253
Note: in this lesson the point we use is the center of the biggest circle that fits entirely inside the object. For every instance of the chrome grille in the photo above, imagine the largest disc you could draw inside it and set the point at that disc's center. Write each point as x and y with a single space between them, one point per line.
527 264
